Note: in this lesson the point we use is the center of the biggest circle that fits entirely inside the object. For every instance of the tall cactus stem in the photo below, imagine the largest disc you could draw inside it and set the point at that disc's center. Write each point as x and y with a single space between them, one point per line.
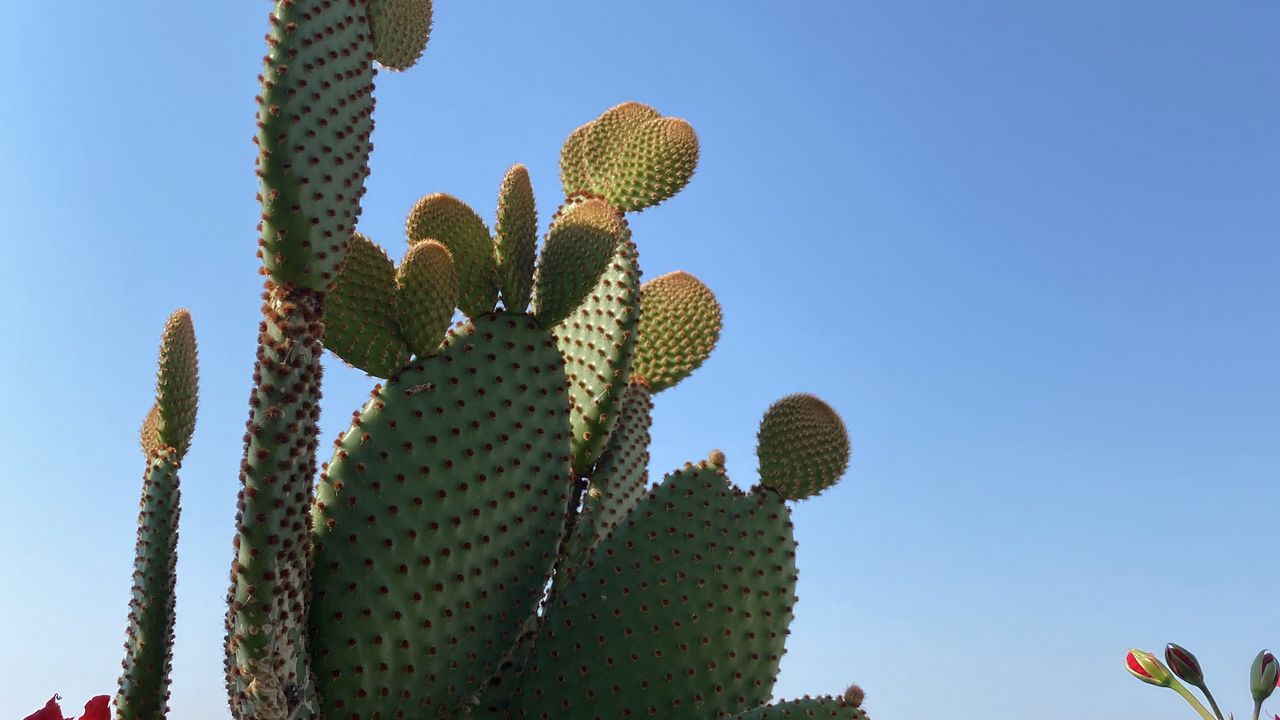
268 670
144 683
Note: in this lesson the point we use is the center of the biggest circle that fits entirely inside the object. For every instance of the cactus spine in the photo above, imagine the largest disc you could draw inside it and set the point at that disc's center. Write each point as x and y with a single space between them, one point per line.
484 541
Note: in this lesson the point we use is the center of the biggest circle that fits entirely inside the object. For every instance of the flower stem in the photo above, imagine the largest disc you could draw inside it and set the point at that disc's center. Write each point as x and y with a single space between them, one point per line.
1212 703
1186 695
1257 709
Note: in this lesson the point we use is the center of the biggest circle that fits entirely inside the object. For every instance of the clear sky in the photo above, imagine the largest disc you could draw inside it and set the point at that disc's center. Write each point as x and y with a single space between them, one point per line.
1029 250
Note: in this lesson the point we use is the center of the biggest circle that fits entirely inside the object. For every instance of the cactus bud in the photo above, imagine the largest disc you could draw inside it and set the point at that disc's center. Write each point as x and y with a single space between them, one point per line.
1262 676
1147 668
1184 664
853 696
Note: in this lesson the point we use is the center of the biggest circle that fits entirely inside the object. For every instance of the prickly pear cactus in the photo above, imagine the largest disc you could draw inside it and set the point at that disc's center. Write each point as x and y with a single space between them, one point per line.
484 541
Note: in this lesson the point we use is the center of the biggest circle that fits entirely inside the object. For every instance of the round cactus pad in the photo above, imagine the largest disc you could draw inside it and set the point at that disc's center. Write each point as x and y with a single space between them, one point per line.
803 447
679 327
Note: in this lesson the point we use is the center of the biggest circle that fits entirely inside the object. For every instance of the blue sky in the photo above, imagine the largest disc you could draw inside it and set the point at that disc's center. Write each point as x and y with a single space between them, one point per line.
1028 250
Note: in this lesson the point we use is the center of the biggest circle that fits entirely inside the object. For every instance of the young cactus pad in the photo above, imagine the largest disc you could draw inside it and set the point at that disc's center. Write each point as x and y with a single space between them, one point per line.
803 447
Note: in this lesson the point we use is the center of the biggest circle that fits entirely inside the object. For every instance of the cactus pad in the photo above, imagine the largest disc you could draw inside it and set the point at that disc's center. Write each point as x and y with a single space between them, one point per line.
149 435
360 318
426 295
680 613
315 118
803 447
176 383
579 246
438 520
401 29
573 162
819 708
679 327
620 478
631 155
516 238
598 341
453 223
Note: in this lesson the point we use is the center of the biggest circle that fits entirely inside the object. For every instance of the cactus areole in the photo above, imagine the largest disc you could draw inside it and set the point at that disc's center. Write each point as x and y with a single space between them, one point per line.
484 539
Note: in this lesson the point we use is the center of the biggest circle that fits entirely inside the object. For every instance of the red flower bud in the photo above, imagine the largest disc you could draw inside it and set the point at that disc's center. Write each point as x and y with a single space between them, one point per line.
1184 664
1148 669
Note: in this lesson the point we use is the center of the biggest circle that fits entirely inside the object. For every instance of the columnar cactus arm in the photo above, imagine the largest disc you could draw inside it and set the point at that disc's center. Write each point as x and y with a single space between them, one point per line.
144 683
271 571
166 434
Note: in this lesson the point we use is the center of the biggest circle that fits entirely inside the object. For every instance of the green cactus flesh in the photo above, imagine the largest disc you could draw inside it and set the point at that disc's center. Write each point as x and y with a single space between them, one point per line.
679 327
516 238
267 671
360 318
573 162
605 141
619 479
438 520
176 383
454 224
144 684
401 29
579 246
631 155
802 446
426 295
598 341
315 118
680 613
819 708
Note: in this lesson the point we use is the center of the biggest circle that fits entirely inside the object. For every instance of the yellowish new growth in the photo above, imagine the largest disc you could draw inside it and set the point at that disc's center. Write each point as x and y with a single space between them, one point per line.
426 295
680 323
177 383
401 29
803 447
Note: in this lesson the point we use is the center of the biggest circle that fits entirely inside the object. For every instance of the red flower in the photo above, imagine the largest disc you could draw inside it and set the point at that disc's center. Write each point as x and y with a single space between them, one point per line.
99 708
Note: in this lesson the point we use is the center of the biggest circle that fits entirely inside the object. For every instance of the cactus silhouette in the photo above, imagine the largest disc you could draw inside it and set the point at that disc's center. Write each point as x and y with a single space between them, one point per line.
484 540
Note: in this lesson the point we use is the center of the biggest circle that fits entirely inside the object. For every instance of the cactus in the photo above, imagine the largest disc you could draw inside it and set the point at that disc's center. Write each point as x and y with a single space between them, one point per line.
165 437
484 540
